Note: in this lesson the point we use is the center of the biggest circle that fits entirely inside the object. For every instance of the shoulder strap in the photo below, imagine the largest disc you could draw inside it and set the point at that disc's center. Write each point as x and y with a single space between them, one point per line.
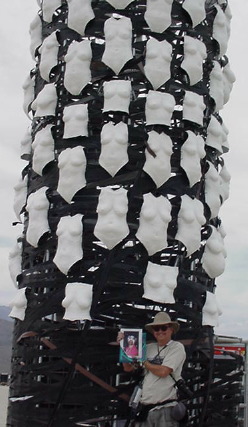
161 350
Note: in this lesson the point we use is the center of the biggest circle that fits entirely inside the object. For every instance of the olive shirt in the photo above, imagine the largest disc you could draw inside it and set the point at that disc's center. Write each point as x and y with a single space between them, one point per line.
157 389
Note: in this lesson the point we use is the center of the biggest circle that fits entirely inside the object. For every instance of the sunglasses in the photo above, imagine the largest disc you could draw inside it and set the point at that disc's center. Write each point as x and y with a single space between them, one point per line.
161 327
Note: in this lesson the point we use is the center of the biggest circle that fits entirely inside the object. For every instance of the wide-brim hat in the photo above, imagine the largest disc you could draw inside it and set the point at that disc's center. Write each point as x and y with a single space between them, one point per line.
162 318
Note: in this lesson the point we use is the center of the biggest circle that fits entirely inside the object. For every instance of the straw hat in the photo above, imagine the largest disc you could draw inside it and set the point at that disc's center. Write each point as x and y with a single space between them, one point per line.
162 318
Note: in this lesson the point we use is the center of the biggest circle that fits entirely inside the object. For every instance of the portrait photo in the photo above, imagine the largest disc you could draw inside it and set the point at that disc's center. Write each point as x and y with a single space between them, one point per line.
132 346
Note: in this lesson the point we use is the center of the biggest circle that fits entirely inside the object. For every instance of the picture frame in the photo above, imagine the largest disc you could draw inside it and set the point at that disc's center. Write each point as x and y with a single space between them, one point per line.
133 345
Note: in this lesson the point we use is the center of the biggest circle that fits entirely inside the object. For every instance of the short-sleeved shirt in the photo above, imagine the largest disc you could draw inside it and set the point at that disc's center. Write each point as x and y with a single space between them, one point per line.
157 389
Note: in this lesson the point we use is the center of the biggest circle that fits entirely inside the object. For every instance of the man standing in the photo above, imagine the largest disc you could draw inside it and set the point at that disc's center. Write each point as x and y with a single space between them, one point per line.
165 359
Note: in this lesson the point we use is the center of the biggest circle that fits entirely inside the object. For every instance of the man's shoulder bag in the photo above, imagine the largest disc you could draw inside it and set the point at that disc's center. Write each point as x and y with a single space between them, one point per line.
179 411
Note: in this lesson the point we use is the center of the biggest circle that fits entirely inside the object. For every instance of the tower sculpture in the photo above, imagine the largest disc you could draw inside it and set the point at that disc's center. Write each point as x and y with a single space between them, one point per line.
119 200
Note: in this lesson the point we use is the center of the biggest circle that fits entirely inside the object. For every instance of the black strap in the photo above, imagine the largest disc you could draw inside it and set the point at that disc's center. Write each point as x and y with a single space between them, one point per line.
173 378
161 350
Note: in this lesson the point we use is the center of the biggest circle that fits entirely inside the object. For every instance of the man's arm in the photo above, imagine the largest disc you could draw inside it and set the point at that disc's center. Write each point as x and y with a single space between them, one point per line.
174 358
159 370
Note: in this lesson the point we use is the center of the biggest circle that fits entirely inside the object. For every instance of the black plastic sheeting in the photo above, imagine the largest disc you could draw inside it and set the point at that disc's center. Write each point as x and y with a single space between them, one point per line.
47 386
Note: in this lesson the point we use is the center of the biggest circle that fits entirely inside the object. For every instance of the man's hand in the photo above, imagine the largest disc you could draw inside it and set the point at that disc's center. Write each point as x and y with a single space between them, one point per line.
131 367
120 337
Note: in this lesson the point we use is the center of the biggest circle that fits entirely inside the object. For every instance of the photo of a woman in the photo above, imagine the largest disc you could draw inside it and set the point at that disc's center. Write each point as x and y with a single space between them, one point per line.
131 344
131 348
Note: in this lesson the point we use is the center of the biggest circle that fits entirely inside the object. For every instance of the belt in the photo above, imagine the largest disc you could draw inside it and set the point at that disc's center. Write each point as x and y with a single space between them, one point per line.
144 409
154 405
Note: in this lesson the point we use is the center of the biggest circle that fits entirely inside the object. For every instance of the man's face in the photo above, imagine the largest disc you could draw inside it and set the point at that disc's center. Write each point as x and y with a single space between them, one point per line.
162 333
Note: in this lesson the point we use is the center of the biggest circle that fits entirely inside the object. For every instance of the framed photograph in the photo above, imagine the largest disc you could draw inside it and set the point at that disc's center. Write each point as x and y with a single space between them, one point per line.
133 345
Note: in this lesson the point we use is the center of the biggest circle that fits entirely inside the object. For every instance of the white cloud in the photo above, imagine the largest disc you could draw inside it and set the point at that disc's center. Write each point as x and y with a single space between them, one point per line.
232 286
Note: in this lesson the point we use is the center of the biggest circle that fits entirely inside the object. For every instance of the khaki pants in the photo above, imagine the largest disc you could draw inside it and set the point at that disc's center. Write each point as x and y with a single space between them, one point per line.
159 417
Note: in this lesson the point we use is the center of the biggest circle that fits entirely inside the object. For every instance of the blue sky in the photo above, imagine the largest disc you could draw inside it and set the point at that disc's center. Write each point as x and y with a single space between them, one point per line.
16 61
